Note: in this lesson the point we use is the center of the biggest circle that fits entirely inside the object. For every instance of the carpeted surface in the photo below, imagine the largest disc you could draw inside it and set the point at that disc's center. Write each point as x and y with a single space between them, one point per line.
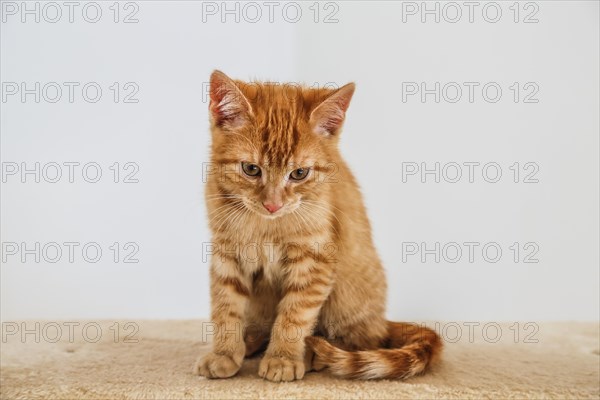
564 363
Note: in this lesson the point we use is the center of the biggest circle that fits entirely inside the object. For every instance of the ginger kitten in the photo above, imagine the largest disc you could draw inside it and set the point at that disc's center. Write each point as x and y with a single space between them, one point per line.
294 269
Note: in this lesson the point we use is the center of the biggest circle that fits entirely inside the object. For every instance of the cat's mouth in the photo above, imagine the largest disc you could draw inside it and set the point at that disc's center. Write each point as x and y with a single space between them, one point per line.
261 210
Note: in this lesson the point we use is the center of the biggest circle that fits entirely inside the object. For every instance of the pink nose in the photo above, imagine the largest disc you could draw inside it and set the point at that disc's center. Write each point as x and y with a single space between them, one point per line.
272 207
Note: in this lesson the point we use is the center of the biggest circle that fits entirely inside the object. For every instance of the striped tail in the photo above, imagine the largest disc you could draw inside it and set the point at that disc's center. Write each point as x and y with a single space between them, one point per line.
409 350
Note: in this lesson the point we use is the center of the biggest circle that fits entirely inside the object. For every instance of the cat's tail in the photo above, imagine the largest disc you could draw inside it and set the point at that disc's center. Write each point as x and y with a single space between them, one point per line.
409 350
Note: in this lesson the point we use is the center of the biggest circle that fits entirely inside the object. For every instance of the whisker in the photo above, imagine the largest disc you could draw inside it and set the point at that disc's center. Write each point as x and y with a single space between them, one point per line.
313 209
308 218
231 215
322 205
224 213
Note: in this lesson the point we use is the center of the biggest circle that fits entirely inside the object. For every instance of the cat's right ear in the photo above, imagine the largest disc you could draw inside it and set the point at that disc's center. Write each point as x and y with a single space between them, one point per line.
328 117
228 106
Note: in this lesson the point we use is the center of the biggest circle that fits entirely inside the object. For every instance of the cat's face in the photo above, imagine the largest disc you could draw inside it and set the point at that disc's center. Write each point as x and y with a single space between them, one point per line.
272 178
272 146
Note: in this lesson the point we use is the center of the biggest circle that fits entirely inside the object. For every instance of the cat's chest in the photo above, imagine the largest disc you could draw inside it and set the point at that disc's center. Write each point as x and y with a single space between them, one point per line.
265 257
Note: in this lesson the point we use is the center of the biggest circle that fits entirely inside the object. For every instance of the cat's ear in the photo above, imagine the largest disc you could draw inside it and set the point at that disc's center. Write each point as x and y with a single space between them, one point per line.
328 117
228 106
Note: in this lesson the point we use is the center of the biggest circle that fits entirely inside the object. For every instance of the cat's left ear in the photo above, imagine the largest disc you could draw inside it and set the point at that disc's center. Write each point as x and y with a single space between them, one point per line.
328 117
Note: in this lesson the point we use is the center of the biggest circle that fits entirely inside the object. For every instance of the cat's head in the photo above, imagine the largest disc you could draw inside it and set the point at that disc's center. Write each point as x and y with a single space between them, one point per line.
273 144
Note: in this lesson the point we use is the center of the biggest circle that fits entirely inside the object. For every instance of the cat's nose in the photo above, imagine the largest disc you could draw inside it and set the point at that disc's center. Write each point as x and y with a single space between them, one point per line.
271 207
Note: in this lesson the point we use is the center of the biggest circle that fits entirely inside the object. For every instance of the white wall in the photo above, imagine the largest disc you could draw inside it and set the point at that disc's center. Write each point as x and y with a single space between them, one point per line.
169 54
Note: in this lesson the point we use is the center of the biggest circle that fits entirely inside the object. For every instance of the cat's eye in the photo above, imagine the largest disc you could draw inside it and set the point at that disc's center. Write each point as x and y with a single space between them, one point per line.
251 169
299 174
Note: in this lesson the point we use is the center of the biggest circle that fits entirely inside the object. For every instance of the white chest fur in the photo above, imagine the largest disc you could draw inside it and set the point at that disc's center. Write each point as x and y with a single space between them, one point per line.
265 255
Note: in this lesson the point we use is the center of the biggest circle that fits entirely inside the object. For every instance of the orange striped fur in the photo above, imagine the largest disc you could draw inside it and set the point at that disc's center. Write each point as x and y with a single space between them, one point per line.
293 261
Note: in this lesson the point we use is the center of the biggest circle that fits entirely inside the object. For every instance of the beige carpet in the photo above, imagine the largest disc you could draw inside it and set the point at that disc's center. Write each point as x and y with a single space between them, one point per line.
565 363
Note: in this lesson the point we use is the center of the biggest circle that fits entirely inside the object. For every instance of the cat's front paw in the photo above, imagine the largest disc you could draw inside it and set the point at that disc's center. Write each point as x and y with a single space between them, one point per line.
216 366
279 369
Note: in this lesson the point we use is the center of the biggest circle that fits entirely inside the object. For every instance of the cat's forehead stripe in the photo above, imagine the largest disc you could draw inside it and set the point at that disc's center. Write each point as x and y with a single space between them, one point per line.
280 135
